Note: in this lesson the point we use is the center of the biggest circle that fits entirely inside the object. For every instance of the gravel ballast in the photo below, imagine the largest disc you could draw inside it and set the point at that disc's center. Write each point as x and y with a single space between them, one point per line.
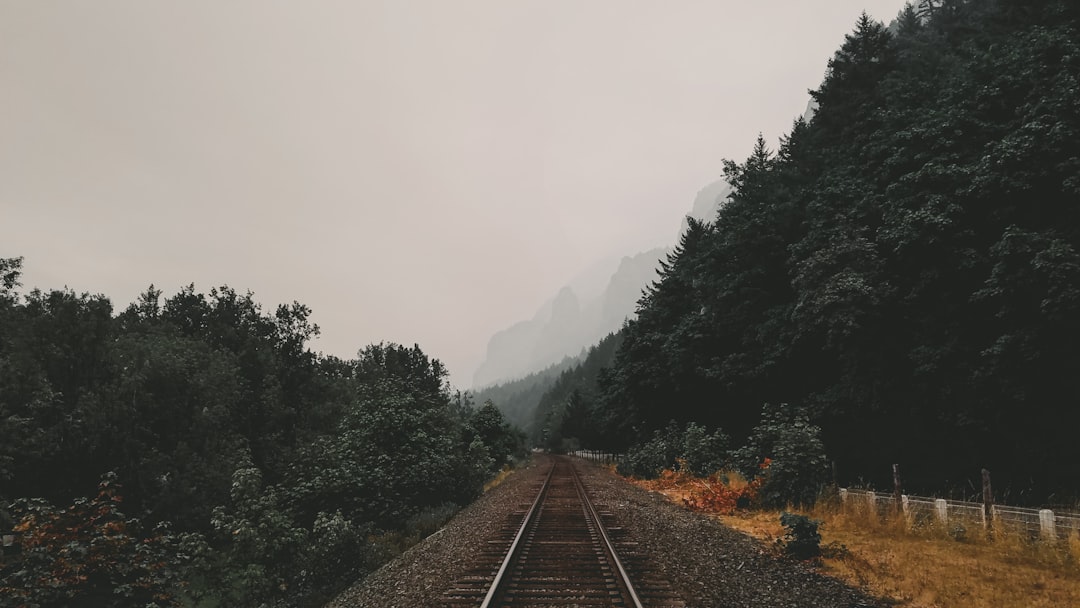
708 564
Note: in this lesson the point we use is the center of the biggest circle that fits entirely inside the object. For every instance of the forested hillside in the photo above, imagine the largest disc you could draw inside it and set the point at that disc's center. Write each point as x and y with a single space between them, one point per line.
561 417
517 399
904 267
193 450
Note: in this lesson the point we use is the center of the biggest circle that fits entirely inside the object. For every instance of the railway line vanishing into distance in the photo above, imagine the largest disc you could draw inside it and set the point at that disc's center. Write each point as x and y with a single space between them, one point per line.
561 551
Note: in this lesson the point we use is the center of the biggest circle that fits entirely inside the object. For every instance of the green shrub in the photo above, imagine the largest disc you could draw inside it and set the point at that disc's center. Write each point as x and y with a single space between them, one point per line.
704 453
802 539
338 552
797 467
257 539
650 458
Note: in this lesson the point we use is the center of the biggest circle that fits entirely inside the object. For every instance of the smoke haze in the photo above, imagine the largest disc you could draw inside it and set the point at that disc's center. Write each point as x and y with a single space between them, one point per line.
414 171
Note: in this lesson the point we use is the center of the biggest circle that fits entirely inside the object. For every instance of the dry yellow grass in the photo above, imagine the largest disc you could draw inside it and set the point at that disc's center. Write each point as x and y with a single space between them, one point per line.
923 567
501 476
920 564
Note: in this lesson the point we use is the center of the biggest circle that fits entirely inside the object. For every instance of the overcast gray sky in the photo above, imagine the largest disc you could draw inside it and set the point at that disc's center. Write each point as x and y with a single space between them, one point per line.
414 171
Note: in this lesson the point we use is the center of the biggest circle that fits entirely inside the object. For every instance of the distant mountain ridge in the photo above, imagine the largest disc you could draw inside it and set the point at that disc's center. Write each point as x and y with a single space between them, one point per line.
568 324
565 325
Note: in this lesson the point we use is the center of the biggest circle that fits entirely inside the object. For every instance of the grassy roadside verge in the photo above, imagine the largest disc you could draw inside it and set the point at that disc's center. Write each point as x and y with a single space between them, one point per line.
927 566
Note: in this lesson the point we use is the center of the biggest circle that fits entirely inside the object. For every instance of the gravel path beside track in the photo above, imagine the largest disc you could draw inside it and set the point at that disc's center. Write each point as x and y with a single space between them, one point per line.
708 564
417 577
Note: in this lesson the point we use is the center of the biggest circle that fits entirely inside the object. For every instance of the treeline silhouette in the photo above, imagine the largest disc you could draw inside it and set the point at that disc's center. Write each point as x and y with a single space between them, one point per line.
193 450
904 267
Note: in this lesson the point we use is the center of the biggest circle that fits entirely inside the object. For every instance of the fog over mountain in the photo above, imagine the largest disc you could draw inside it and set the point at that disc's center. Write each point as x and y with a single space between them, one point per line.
586 309
414 172
567 323
562 327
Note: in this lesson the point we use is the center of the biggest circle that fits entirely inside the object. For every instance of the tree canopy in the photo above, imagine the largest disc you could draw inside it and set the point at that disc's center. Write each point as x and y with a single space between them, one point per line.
904 266
250 468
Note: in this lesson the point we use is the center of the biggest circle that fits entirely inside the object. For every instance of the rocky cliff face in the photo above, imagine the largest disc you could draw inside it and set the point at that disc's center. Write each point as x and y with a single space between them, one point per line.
566 325
707 202
570 322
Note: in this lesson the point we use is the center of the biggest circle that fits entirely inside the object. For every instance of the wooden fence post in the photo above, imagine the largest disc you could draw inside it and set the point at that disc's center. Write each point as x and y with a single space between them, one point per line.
897 492
942 508
1047 529
988 504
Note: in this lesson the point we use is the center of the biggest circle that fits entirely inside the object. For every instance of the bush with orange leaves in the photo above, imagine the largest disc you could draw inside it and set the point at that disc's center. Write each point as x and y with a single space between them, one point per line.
88 554
673 478
722 492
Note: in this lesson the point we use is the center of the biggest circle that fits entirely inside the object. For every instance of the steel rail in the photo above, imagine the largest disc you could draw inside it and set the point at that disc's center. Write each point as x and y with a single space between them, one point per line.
624 578
594 519
517 541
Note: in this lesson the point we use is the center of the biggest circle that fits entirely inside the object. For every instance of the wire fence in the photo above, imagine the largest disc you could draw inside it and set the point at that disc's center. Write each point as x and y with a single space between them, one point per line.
597 456
1041 523
1035 523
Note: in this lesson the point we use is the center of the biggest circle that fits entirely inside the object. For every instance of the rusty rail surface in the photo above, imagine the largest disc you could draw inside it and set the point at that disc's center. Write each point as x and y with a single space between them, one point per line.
558 553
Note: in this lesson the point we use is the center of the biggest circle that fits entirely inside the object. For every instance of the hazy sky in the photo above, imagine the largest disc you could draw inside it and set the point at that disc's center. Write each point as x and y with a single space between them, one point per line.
414 171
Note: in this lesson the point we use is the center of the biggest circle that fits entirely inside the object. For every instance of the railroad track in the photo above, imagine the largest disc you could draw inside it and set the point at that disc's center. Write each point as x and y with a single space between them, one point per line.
558 552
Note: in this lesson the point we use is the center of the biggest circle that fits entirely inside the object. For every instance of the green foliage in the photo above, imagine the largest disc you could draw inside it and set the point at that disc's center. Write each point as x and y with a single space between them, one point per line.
402 453
518 399
260 544
905 265
660 452
801 539
797 466
501 441
337 552
566 416
10 271
54 367
275 466
701 452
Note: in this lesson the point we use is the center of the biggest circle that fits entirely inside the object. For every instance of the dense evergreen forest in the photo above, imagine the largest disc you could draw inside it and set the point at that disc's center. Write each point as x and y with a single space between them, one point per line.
902 273
192 449
561 419
549 405
518 399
